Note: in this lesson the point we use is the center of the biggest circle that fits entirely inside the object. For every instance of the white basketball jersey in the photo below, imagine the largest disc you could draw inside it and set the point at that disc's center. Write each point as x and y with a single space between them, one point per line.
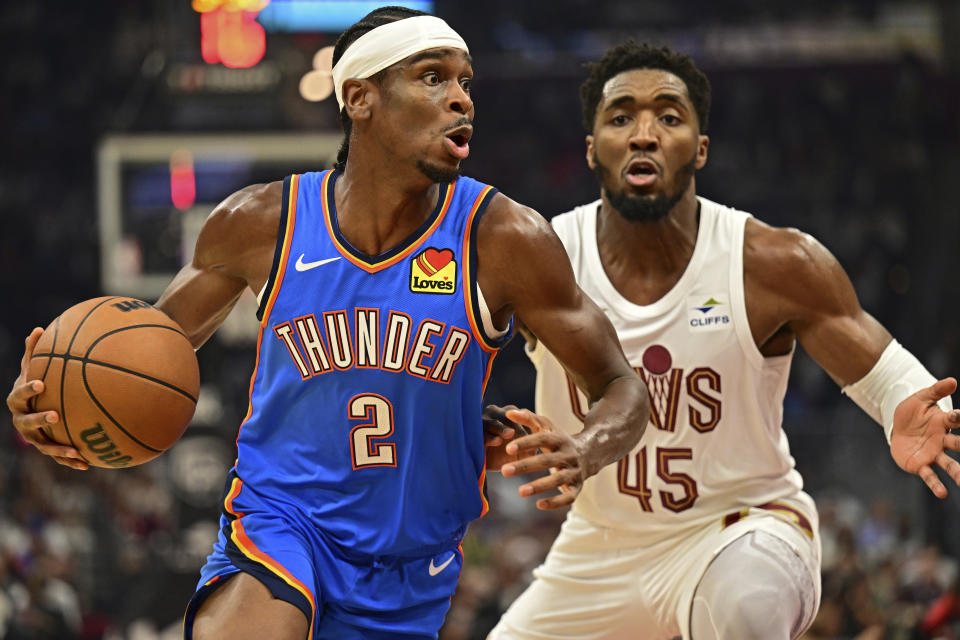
714 444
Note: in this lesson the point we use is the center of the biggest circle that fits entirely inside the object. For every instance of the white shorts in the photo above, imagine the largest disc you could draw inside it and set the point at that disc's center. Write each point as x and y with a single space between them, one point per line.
608 584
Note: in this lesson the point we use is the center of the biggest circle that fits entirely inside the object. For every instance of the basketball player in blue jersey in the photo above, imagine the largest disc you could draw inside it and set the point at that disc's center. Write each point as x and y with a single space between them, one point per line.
704 531
386 287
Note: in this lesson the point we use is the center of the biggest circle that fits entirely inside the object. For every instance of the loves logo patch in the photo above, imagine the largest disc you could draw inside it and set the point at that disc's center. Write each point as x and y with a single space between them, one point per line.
434 271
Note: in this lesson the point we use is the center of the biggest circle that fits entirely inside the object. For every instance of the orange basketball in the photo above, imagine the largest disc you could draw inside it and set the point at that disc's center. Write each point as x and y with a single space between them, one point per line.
122 376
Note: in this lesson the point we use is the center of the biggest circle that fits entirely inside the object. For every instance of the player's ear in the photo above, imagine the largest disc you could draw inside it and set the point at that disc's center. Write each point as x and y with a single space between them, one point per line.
358 97
591 154
703 144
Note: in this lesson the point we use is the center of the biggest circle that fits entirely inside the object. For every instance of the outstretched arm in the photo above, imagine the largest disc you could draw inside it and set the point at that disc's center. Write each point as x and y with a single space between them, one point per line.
821 309
524 271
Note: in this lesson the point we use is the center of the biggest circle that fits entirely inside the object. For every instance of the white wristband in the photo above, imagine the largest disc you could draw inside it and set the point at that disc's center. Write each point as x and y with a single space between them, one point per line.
896 375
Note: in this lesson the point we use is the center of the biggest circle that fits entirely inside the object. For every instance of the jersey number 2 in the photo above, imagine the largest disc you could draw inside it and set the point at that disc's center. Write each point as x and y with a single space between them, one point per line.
379 412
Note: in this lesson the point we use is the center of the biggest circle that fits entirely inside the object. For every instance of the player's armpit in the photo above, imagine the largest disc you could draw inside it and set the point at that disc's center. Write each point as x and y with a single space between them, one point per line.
524 270
234 251
793 283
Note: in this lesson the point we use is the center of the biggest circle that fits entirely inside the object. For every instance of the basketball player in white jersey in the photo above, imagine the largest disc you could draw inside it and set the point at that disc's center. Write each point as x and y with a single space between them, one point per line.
703 530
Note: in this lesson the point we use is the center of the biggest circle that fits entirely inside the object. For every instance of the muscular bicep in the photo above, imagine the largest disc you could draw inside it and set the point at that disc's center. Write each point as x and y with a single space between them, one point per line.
234 251
525 263
807 285
199 300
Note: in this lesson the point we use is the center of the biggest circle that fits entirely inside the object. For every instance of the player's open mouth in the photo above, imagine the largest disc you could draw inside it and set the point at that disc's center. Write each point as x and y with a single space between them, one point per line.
642 172
458 141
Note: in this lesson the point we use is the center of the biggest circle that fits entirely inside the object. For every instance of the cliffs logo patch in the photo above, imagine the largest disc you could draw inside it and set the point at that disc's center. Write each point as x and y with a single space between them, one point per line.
434 271
708 313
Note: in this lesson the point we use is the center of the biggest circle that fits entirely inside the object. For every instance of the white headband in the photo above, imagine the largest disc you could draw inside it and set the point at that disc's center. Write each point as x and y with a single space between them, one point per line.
389 44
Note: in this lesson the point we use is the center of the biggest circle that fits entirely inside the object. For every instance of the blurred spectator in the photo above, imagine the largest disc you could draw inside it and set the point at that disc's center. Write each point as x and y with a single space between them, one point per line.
942 619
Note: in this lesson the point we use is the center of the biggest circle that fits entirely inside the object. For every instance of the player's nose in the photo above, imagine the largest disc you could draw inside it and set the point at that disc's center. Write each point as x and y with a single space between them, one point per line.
643 137
458 99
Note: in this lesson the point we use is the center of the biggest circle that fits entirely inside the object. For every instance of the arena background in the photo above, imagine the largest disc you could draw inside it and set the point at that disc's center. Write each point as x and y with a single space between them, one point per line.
839 117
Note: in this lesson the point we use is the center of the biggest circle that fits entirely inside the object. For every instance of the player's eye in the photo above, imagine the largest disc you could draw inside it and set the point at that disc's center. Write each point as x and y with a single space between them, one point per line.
466 83
431 78
619 120
670 120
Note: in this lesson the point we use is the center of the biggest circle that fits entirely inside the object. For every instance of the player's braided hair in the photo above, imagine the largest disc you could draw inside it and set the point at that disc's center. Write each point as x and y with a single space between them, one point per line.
630 55
374 19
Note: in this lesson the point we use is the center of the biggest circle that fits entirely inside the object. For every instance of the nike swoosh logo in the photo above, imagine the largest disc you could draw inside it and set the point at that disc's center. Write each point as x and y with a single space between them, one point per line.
435 570
306 266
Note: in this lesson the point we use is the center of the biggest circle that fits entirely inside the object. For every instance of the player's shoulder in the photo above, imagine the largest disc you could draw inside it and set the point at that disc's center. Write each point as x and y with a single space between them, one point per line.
510 233
509 220
513 225
247 217
250 205
784 254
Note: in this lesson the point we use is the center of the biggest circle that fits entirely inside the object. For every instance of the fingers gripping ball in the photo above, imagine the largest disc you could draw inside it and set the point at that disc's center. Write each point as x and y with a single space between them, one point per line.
122 376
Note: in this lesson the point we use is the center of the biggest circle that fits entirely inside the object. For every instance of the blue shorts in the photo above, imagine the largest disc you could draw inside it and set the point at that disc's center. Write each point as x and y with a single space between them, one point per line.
342 598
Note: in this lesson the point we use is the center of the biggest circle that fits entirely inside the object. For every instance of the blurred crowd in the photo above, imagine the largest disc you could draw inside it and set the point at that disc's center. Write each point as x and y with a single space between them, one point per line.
864 155
107 559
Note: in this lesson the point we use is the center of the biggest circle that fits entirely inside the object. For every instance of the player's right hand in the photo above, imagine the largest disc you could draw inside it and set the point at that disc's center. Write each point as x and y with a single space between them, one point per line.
547 448
32 425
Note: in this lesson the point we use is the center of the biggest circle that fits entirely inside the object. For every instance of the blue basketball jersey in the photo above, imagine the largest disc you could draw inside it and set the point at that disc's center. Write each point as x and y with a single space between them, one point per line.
366 398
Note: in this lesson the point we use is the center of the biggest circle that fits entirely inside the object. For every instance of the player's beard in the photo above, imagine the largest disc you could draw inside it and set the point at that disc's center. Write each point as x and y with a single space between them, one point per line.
438 174
637 208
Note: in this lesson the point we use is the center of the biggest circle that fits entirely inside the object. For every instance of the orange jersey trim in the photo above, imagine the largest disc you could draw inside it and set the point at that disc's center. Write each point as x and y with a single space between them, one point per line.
212 580
240 538
235 486
481 482
467 277
389 262
483 474
291 214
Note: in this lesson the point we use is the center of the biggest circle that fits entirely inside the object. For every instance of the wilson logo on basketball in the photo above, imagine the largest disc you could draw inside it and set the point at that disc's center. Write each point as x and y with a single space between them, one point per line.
130 305
98 441
434 271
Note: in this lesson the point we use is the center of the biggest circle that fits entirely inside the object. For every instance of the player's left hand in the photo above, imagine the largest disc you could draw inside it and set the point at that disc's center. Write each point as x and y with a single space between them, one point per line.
545 449
921 435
